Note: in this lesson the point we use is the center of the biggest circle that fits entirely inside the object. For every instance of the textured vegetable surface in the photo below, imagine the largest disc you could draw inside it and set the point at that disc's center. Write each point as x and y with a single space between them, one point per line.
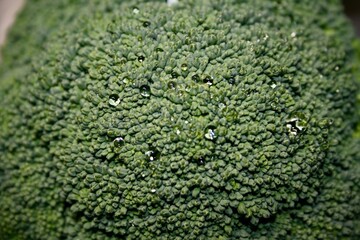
203 120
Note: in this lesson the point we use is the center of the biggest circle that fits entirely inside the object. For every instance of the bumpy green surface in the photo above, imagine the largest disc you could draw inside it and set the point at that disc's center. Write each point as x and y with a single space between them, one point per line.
205 120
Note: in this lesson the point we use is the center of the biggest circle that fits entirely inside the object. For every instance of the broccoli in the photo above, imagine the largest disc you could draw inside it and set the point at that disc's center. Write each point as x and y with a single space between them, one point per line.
216 119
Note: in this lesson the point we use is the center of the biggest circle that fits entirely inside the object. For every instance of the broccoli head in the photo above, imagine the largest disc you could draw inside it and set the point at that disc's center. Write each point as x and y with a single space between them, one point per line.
200 120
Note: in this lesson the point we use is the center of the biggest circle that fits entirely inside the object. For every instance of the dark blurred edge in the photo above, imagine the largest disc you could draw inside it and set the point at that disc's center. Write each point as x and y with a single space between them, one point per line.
352 10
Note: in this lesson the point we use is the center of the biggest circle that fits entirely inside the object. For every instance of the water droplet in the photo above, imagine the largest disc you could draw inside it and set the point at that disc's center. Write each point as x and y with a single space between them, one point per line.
196 78
208 80
119 142
146 24
145 91
114 100
210 133
126 80
231 81
136 10
152 154
222 106
184 67
172 2
201 160
296 123
174 75
141 58
172 85
122 61
325 123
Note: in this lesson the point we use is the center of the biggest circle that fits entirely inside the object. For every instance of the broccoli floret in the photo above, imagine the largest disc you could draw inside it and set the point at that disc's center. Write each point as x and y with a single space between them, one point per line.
200 120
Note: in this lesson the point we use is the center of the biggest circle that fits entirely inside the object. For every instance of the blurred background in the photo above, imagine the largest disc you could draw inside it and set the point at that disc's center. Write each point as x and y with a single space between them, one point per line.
9 8
352 10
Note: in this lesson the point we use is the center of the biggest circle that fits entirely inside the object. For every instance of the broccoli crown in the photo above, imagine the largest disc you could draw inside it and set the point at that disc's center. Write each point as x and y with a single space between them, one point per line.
204 120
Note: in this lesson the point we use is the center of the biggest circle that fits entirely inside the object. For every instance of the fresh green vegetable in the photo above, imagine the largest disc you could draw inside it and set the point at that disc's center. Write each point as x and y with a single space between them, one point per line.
201 120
